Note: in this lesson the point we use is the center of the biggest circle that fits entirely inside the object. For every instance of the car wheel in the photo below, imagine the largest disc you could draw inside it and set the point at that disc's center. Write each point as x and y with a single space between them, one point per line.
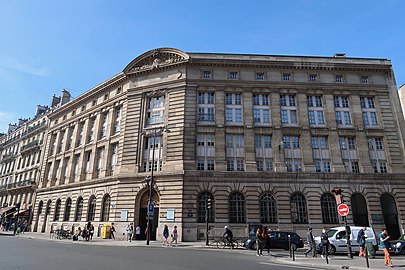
403 251
332 250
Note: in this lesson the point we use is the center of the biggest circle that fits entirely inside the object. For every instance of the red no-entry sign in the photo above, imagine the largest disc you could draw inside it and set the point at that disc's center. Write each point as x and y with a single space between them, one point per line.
343 209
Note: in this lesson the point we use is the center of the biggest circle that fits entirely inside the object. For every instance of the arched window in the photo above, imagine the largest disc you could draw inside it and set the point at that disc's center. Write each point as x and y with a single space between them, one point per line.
105 211
79 209
205 199
57 210
298 208
268 209
92 209
360 212
68 207
329 209
237 208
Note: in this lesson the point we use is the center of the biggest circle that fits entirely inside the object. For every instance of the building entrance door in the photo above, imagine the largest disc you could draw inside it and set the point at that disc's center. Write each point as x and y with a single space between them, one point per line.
47 211
390 214
40 205
143 215
359 208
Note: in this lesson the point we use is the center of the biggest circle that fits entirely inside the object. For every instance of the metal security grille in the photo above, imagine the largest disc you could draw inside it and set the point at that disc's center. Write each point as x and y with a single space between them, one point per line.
329 209
237 208
298 208
268 209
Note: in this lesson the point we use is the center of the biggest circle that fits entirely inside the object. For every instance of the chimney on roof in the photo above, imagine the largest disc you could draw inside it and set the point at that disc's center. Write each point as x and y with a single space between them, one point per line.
11 127
41 109
65 98
55 101
340 55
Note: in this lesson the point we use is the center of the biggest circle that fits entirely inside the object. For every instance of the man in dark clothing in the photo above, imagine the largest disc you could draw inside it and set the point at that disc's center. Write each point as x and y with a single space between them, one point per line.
228 235
311 244
361 240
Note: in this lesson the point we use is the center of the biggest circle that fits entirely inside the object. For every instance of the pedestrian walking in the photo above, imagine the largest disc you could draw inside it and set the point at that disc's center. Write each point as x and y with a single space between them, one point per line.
138 232
112 231
165 235
259 243
361 240
90 231
266 240
174 236
385 245
130 232
325 244
311 244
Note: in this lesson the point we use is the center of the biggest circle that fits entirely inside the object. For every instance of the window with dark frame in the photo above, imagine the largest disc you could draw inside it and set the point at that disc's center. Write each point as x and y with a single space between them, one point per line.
268 209
237 208
299 213
329 209
203 198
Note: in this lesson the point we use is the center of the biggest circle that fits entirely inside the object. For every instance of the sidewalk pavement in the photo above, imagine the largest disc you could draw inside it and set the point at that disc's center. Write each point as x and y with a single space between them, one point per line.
342 262
335 262
97 241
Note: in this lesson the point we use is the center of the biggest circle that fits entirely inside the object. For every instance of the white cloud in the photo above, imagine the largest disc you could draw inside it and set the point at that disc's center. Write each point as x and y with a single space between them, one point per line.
14 64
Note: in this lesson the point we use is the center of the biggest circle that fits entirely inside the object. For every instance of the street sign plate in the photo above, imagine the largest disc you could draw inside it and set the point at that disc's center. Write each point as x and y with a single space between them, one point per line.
151 208
343 209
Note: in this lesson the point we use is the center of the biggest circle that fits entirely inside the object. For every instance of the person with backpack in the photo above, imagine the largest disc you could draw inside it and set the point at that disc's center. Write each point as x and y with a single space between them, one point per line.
130 232
311 244
174 236
361 240
165 235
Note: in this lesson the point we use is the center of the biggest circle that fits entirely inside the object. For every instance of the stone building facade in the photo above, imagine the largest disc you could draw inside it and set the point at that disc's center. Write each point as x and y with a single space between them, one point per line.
265 138
21 154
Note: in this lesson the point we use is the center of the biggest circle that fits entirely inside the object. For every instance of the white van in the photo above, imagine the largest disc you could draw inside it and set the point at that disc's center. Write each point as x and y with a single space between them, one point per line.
337 239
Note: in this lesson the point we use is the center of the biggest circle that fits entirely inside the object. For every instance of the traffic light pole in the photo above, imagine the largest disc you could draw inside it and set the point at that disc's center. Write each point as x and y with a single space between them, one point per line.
206 227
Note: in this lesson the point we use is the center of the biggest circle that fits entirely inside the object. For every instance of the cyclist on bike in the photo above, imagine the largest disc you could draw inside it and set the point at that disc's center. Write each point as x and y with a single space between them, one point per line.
228 236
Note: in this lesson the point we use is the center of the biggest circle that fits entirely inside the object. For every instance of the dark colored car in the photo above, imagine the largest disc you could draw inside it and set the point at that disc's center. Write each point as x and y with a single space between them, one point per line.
279 240
398 246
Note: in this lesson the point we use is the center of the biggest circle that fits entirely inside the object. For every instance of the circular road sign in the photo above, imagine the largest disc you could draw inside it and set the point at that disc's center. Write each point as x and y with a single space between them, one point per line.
343 209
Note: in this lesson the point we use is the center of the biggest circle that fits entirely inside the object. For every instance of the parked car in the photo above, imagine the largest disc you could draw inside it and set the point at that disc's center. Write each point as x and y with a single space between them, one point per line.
338 241
398 246
279 240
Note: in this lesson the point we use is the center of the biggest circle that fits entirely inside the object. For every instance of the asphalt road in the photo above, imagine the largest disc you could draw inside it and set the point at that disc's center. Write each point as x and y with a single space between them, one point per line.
33 254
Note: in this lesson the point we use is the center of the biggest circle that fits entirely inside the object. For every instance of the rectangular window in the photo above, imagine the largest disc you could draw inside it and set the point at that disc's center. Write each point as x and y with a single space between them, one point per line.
288 110
233 109
313 77
259 76
286 76
205 152
339 78
369 112
235 152
261 109
364 79
152 156
342 111
103 127
155 110
113 158
233 75
117 120
206 74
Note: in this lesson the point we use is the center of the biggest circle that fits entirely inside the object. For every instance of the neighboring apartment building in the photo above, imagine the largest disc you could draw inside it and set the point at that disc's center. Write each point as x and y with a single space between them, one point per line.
21 153
265 138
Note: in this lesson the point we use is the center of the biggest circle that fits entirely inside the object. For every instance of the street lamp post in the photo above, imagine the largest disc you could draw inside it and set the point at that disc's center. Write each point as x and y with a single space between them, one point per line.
149 181
338 192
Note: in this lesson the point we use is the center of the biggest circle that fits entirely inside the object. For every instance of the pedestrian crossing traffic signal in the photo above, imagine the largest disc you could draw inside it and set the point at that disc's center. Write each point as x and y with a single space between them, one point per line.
209 203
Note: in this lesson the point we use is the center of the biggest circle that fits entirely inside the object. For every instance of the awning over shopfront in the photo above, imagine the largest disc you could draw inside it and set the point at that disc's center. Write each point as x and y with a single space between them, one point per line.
23 213
6 209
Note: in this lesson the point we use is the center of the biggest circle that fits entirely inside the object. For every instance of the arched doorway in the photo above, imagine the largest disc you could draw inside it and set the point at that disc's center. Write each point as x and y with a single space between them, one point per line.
47 212
39 212
359 208
390 214
143 214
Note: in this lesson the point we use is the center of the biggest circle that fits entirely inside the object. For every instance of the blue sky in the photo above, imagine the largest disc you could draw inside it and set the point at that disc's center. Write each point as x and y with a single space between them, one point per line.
50 45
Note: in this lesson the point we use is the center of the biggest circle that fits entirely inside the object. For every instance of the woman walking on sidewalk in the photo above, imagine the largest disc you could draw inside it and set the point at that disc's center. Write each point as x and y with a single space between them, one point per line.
385 245
259 243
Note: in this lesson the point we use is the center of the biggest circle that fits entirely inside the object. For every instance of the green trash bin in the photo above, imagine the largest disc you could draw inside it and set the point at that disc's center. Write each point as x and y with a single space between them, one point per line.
370 250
